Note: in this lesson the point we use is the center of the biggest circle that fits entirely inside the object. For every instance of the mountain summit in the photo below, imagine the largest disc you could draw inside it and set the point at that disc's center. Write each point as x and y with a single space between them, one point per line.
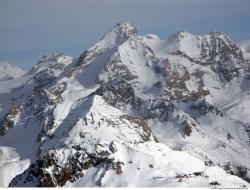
130 111
9 71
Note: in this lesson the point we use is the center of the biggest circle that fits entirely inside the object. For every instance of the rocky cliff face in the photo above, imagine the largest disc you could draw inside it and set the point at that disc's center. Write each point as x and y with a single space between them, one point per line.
131 105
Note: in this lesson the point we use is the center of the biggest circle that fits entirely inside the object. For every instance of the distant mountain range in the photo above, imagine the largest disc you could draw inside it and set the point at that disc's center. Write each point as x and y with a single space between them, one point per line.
9 71
132 110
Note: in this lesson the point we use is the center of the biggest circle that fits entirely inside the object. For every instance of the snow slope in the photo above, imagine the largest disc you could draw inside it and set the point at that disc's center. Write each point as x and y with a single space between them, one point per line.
130 105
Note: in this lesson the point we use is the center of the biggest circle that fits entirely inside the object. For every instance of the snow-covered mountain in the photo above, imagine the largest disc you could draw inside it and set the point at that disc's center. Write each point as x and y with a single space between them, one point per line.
9 71
245 46
132 110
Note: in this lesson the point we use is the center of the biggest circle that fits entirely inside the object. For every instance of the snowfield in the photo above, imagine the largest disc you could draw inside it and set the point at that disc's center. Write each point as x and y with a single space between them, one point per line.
131 111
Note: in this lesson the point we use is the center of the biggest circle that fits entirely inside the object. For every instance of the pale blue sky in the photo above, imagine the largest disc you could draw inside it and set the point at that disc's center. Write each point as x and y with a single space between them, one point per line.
32 28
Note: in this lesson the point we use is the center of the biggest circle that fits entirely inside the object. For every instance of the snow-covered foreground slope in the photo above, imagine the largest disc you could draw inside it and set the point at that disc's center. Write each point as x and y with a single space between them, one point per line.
130 111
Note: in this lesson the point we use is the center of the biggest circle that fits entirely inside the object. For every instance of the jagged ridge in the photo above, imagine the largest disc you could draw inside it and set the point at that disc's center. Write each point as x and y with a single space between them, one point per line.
91 116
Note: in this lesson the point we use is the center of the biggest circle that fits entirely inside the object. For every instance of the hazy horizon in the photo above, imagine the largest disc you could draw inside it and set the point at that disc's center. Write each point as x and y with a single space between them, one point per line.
30 29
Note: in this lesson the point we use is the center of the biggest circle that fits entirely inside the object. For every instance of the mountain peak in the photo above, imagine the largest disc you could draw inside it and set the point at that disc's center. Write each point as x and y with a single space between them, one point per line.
220 35
116 35
93 121
180 35
217 33
5 64
183 34
9 71
123 30
127 28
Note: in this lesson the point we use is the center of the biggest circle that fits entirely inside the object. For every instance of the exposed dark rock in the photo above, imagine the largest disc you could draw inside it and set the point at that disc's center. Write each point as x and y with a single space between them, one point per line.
147 133
226 71
214 183
66 176
47 181
187 129
116 92
229 136
198 173
157 108
209 163
175 84
9 119
117 166
203 107
242 172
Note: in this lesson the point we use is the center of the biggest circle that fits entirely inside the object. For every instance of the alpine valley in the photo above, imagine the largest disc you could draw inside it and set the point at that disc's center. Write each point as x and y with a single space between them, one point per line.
130 111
